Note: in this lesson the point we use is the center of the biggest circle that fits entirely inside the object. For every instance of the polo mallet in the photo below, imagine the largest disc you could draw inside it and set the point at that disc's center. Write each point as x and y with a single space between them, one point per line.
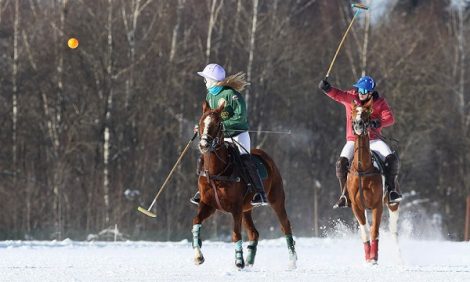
358 7
147 211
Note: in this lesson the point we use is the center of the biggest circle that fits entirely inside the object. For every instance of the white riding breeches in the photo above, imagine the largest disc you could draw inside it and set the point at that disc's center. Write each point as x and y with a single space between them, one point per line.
242 141
376 145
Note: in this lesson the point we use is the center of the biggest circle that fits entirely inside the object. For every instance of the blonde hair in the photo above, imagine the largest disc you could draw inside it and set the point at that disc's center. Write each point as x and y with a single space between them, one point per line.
236 81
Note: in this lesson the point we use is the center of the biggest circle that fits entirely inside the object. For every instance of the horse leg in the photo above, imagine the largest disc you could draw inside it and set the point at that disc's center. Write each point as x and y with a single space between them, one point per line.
253 236
360 215
204 211
281 213
237 238
393 212
374 244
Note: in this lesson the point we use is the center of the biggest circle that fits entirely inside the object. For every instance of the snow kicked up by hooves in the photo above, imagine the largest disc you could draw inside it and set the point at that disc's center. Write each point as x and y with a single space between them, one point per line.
318 260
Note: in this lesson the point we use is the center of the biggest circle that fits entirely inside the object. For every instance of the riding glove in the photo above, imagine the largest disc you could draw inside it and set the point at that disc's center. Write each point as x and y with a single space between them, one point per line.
324 85
375 123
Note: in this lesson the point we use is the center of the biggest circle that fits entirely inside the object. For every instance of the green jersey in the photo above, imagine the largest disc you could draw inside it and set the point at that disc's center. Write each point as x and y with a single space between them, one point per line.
234 115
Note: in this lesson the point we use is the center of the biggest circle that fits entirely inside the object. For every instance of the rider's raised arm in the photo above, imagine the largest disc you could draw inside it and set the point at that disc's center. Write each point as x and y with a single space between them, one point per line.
345 97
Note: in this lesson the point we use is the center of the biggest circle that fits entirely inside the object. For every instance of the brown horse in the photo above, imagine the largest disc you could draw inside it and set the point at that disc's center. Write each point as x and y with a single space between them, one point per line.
365 186
220 190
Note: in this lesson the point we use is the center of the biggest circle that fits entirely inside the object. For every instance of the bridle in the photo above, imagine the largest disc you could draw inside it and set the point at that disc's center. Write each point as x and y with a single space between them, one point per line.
215 142
364 126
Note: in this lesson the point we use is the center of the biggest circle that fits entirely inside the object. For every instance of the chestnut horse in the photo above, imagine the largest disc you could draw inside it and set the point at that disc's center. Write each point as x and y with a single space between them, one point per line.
365 186
221 191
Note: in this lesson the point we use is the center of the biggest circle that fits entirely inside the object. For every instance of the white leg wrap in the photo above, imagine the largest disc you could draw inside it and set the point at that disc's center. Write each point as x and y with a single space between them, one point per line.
394 222
365 234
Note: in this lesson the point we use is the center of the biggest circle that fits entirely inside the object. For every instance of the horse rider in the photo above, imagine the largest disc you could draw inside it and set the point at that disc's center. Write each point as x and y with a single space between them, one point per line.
222 89
382 116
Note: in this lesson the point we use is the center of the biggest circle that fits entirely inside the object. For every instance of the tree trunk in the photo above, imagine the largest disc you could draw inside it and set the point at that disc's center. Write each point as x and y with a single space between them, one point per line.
15 90
212 20
176 28
254 26
107 123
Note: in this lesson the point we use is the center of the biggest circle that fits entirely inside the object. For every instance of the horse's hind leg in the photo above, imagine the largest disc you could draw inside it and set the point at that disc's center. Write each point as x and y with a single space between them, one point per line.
253 236
393 212
204 212
374 243
281 213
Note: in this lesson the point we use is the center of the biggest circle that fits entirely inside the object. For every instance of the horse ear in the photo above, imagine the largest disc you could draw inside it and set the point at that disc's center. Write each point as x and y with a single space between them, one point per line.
205 107
369 104
354 104
221 107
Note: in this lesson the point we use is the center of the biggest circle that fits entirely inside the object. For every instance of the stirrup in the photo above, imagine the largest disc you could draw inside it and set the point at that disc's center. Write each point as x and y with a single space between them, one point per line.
342 202
395 199
259 200
195 199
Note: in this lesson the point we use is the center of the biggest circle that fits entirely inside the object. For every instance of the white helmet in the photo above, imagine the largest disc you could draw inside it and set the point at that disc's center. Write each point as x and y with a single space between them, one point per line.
213 71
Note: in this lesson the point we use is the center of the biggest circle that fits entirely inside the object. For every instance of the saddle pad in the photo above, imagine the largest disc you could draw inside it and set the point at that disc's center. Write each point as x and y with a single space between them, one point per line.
378 163
263 172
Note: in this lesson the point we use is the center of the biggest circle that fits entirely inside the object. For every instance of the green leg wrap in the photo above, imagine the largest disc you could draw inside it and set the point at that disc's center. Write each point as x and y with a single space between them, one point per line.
197 243
292 253
291 245
239 262
252 247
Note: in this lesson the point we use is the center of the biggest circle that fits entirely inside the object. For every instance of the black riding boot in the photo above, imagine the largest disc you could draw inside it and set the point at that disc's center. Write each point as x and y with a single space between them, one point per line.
392 166
197 197
342 174
259 199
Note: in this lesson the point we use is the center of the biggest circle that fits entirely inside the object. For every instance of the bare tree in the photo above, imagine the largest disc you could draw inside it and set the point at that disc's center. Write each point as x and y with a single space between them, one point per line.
251 50
14 79
215 7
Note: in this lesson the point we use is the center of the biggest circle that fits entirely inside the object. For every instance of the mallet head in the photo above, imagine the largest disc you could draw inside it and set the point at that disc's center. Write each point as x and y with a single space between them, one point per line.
146 212
360 6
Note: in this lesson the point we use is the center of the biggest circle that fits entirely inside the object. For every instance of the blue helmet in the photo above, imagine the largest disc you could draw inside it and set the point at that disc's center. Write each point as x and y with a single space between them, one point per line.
366 82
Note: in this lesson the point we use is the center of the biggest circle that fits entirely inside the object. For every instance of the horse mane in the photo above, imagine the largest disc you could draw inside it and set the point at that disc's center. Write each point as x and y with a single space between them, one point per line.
236 81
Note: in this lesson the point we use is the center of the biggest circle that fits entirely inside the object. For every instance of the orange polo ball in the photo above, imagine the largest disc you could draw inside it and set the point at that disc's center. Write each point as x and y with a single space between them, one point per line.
72 43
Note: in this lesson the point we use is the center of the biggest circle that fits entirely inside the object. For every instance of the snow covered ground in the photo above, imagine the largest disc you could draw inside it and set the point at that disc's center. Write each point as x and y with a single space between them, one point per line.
323 259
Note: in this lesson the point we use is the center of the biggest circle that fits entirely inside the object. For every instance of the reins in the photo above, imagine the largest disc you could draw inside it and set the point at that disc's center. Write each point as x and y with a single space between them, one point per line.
368 172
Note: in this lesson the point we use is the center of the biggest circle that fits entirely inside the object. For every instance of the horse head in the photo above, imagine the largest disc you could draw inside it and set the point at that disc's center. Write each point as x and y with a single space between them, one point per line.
210 128
360 115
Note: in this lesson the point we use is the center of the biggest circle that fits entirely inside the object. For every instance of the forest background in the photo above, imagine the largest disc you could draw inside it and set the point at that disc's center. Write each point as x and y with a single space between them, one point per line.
89 134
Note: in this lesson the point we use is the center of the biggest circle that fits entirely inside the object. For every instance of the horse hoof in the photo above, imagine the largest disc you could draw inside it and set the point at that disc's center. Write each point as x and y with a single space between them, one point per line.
198 260
240 265
372 261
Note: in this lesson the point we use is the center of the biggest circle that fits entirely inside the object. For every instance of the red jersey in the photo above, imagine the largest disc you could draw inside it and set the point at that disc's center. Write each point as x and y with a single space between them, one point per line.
380 110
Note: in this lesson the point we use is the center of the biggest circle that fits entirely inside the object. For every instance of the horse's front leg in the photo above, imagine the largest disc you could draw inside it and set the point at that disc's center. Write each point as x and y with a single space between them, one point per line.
237 237
203 212
364 229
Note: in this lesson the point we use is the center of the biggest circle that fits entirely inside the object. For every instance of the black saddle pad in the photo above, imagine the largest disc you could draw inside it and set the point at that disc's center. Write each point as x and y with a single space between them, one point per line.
235 158
262 170
378 163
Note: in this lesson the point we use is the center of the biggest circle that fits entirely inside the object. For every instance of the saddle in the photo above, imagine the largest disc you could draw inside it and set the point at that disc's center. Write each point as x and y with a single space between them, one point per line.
236 169
377 162
235 155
